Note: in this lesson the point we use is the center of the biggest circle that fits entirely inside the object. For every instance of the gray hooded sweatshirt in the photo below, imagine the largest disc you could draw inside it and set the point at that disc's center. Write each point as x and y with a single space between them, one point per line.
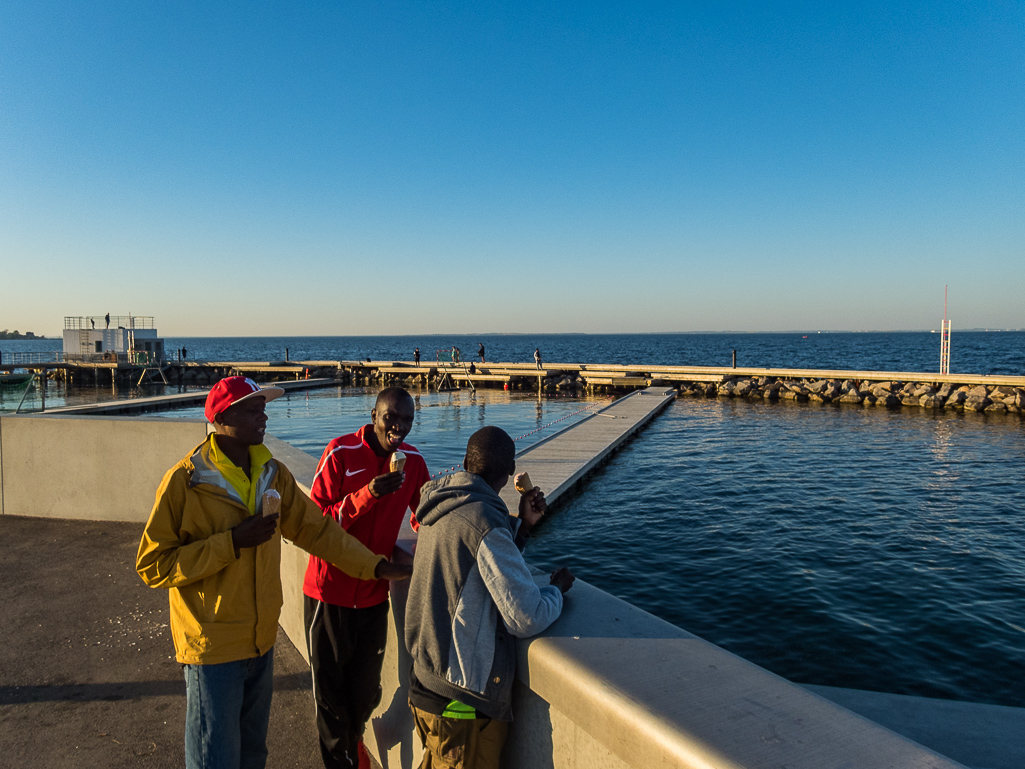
470 593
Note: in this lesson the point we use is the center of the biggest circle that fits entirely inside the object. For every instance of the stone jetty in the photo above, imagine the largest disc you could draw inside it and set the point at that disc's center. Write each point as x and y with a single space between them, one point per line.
963 392
891 393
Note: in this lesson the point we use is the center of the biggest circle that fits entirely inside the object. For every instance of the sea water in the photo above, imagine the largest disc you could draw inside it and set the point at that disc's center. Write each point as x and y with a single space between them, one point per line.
836 545
972 352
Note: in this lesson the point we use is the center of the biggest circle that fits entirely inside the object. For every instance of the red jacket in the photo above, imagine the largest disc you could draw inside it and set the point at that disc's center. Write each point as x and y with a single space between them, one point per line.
341 490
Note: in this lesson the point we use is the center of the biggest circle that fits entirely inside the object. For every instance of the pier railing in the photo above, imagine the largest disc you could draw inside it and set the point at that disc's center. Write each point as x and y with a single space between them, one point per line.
28 358
137 358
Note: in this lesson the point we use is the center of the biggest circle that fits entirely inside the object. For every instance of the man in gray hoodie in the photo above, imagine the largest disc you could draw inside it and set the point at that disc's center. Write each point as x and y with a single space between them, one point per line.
470 595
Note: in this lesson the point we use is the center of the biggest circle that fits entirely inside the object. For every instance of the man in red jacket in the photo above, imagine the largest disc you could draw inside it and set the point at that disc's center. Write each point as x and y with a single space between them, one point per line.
346 618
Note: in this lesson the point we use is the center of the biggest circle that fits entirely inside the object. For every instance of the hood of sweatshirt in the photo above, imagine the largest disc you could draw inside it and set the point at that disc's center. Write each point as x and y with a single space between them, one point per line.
440 497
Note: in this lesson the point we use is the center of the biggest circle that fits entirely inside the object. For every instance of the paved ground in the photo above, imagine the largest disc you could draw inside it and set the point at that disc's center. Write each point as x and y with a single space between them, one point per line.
87 670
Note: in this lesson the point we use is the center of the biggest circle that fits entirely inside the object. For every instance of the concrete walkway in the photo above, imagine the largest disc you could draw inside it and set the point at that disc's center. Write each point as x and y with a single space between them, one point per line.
87 671
557 462
977 735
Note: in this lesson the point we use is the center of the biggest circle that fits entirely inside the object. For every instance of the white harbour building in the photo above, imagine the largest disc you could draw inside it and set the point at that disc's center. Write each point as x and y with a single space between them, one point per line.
116 338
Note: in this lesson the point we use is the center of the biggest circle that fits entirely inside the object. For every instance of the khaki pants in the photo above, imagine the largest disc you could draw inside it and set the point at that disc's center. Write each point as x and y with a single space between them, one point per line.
460 743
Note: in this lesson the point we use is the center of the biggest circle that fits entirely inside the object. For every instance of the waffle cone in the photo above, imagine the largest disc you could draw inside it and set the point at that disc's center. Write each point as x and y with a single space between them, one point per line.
523 483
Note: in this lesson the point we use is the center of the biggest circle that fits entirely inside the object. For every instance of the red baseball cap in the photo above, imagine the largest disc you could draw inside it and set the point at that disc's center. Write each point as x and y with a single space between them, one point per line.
235 389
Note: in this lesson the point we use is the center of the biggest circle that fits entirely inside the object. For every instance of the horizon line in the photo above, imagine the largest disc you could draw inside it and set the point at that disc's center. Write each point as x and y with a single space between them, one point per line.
60 336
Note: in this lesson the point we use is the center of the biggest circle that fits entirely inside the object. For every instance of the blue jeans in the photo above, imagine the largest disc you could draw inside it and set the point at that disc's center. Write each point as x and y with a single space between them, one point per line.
227 712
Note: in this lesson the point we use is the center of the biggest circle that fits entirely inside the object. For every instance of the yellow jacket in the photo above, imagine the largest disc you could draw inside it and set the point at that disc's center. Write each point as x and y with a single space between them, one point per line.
225 608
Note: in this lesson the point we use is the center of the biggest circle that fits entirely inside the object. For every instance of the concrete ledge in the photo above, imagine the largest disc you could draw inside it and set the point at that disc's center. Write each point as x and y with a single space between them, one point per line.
89 468
293 559
654 695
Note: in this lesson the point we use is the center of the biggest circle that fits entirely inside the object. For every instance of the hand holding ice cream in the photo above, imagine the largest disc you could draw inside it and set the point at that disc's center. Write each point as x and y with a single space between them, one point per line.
271 503
522 483
392 480
532 502
259 528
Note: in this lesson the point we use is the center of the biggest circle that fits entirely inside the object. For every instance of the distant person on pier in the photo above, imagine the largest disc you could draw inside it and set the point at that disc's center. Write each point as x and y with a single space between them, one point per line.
537 357
416 357
346 618
185 353
107 318
93 322
455 354
214 545
470 595
480 351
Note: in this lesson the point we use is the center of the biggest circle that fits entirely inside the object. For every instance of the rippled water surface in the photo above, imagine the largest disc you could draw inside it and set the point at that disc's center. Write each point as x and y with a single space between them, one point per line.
972 352
853 547
442 424
864 548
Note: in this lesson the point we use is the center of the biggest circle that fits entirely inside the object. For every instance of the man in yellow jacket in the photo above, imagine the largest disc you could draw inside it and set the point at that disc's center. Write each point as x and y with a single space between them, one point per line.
211 543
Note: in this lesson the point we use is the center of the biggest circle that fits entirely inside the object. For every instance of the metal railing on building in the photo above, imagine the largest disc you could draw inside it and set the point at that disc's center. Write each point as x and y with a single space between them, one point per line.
90 322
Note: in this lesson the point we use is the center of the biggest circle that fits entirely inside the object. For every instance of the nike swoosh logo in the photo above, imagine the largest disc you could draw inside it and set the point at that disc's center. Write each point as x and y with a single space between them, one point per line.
353 472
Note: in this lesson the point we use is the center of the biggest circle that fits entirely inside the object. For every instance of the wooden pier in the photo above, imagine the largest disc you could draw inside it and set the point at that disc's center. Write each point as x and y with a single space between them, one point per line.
929 390
613 377
557 462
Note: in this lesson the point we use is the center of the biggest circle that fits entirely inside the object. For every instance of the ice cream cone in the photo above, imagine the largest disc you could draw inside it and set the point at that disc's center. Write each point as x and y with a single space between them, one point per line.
398 461
271 502
523 483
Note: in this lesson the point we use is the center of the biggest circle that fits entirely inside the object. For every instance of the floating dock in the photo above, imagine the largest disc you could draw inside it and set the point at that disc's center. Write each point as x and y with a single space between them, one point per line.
557 462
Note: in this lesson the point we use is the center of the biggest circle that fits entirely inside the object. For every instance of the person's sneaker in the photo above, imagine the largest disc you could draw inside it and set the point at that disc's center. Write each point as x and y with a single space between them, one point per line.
364 757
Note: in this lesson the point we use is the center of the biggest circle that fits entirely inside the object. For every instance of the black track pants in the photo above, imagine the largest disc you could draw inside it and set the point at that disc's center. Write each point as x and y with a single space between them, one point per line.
346 653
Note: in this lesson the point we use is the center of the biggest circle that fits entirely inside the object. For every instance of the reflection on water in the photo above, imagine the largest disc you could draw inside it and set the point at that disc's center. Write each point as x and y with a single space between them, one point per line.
830 545
442 423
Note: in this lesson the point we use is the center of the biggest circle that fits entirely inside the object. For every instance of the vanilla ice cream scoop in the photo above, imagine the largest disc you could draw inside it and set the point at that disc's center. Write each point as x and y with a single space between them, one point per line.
522 483
271 502
398 461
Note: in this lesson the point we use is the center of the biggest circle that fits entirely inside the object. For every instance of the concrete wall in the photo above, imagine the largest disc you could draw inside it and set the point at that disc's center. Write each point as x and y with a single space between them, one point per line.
607 686
94 468
83 341
293 559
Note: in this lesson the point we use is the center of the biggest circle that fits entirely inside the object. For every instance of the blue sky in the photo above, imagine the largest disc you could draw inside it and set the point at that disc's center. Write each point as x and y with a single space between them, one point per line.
360 168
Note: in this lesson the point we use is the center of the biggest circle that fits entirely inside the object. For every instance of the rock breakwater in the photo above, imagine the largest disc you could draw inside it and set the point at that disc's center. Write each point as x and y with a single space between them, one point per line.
861 392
